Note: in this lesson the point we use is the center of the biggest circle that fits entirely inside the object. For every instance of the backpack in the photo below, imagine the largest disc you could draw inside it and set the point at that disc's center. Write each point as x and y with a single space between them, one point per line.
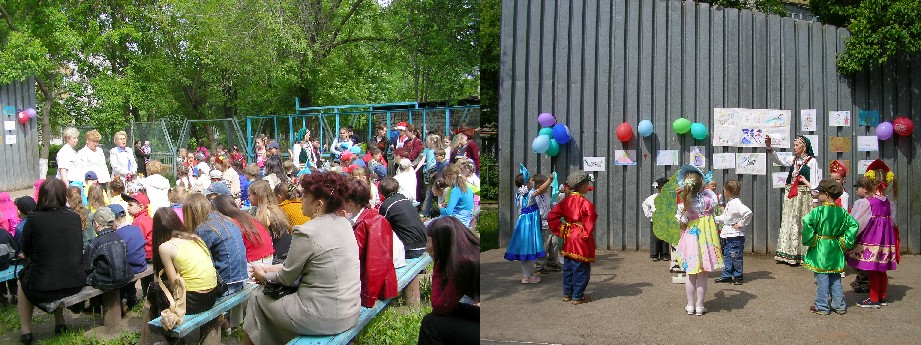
7 250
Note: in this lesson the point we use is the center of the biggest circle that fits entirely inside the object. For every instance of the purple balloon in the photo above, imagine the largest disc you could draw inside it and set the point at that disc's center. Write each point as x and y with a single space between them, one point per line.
31 113
546 119
884 131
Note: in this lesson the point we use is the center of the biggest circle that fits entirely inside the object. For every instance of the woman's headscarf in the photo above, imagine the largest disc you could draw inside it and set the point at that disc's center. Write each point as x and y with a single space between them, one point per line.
808 143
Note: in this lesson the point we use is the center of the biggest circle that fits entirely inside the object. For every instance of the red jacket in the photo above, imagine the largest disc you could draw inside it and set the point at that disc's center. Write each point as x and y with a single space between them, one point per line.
375 251
578 231
143 221
415 148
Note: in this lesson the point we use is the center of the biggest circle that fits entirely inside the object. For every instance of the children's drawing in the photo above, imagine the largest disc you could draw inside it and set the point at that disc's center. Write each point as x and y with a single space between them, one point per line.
727 136
780 137
839 144
840 118
667 157
862 166
724 161
752 137
624 157
699 156
807 120
9 110
867 143
725 117
783 156
776 119
778 179
751 163
868 118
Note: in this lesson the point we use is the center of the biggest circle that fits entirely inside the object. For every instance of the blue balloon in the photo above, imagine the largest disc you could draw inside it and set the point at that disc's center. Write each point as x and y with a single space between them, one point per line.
561 133
699 131
355 149
540 144
644 128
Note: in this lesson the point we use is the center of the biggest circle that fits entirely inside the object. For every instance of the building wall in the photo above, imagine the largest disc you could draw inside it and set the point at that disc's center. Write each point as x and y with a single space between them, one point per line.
19 167
596 64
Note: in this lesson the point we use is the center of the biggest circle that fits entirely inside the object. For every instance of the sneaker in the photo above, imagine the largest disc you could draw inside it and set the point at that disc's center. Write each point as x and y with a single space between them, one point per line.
724 280
676 269
883 302
585 299
542 270
554 267
655 258
530 280
689 309
867 303
816 311
737 281
700 311
840 312
567 298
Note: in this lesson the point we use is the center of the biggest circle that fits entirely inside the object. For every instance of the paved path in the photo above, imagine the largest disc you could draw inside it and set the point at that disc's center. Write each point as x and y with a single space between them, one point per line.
636 303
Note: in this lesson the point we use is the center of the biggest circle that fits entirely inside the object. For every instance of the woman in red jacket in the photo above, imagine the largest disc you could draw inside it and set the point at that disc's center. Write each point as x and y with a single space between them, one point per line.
455 316
375 245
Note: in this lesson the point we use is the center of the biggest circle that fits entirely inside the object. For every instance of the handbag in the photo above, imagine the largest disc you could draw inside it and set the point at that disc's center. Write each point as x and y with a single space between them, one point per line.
173 315
277 291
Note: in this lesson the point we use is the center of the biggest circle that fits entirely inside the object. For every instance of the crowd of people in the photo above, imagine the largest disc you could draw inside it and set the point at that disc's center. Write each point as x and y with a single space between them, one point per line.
822 230
327 229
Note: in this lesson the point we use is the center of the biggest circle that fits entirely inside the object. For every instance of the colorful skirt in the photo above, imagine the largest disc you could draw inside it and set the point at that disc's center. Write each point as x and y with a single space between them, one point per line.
526 243
699 247
876 248
790 247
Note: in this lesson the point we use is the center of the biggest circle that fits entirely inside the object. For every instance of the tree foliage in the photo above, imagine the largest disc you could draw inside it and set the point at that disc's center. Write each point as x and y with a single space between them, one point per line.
766 6
881 30
491 18
108 62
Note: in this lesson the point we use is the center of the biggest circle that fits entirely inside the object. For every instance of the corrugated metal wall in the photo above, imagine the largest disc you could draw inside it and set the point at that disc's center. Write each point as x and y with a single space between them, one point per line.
20 161
595 64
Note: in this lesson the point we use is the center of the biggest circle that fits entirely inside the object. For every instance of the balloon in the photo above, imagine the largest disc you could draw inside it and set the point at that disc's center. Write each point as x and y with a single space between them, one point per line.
903 126
624 132
546 131
546 119
355 149
23 117
554 148
561 133
31 113
681 125
699 131
884 131
645 128
540 144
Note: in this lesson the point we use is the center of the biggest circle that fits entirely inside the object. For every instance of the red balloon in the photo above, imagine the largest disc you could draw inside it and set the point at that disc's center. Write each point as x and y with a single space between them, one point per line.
624 132
23 117
903 126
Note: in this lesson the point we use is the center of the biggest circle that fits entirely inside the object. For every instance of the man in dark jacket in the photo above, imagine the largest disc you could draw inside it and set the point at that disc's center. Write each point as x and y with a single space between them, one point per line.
403 218
105 258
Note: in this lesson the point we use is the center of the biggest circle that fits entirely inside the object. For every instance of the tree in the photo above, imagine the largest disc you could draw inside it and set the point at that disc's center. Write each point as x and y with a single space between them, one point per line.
881 30
36 40
766 6
491 14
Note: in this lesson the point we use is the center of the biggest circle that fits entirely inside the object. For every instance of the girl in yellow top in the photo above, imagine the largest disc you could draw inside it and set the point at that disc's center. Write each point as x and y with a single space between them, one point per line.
182 254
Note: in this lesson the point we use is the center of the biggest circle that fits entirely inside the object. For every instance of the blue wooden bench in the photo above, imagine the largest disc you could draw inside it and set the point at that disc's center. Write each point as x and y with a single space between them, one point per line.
195 321
10 273
405 275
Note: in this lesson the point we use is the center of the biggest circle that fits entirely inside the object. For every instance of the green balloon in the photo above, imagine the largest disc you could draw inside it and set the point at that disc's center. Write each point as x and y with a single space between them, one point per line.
554 148
548 131
681 125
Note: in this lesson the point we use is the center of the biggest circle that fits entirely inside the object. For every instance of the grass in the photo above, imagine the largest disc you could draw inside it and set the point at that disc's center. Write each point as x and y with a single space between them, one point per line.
489 228
9 325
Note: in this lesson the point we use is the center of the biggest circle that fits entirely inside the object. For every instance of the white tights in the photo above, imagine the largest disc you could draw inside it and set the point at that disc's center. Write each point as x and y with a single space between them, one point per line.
695 286
527 268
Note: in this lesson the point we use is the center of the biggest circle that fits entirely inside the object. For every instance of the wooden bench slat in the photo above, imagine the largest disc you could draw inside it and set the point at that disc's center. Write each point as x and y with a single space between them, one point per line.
405 275
194 321
90 292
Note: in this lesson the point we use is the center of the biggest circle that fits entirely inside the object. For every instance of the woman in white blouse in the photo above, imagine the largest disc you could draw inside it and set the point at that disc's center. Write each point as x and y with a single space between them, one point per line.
802 179
70 167
122 157
94 159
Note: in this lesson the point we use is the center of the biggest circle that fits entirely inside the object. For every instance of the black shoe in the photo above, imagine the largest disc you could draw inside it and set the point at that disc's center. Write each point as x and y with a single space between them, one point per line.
737 281
861 290
724 280
60 329
542 270
25 338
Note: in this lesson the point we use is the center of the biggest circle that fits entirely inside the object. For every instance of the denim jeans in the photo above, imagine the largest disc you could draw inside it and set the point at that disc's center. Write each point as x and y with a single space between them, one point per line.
733 248
575 277
828 284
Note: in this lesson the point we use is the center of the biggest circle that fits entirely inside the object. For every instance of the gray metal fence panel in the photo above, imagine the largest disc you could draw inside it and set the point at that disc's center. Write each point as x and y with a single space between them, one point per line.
20 160
596 64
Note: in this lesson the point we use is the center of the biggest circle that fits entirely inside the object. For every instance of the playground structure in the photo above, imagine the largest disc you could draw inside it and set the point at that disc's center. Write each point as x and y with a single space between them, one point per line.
162 147
324 122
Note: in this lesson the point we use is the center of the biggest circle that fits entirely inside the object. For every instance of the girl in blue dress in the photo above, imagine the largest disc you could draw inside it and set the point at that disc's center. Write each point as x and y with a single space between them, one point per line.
526 244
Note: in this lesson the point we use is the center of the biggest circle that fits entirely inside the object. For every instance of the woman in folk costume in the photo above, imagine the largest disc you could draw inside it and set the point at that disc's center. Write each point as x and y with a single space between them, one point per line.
876 249
698 249
838 172
801 180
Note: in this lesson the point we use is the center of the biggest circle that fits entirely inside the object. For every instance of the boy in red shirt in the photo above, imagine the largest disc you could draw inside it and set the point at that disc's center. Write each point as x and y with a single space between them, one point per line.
573 219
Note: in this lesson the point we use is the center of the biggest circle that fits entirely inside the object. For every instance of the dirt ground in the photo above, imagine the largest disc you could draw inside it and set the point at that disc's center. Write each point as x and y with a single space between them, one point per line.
635 302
